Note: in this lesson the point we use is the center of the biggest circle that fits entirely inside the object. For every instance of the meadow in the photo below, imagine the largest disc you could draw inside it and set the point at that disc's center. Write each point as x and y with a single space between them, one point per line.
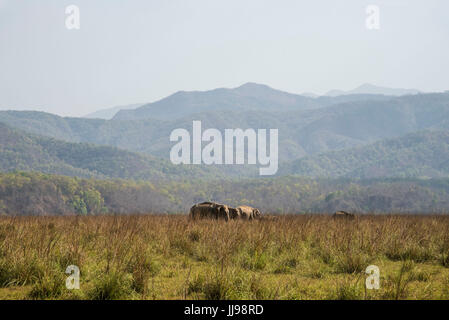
278 257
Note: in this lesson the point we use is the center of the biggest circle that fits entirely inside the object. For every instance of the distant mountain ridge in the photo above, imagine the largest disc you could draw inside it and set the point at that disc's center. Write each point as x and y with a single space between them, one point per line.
257 97
344 122
109 113
367 88
248 97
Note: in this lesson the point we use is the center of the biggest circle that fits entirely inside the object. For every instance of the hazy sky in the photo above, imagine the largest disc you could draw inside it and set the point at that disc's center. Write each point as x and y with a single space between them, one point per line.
140 51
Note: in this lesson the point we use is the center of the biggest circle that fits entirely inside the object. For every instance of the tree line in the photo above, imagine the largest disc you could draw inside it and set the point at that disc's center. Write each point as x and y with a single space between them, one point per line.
30 193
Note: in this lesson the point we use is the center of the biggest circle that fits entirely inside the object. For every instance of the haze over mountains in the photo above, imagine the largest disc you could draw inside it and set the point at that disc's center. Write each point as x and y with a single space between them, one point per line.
248 97
258 96
326 136
109 113
367 88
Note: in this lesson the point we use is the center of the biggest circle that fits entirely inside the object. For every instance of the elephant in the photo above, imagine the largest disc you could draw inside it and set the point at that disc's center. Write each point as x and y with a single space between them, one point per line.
211 210
234 213
248 213
343 214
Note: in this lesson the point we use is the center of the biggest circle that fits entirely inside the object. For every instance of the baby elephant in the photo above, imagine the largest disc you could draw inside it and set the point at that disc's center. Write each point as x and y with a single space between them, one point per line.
247 213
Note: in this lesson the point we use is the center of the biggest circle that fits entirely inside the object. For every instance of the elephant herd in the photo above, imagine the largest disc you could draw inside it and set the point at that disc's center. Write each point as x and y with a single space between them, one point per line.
213 210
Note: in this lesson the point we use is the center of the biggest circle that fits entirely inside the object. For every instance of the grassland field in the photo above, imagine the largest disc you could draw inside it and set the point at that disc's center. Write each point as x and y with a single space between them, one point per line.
278 257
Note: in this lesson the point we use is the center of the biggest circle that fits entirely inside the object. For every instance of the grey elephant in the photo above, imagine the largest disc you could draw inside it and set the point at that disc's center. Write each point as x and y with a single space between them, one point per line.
209 210
234 213
343 214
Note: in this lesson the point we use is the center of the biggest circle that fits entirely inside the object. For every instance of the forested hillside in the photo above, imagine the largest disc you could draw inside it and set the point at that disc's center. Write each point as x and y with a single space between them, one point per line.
333 125
420 155
27 152
363 153
40 194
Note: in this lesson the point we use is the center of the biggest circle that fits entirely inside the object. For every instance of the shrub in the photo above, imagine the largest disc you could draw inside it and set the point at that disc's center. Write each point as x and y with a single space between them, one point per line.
255 262
6 276
216 289
196 285
286 266
49 286
351 263
111 286
396 286
347 291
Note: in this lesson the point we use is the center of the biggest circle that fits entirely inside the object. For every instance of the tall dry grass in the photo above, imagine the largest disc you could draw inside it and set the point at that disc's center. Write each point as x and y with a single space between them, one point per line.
166 256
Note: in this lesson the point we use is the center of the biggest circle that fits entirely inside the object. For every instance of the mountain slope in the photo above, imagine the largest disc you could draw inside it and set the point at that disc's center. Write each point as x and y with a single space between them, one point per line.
339 126
248 97
26 152
109 113
422 154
